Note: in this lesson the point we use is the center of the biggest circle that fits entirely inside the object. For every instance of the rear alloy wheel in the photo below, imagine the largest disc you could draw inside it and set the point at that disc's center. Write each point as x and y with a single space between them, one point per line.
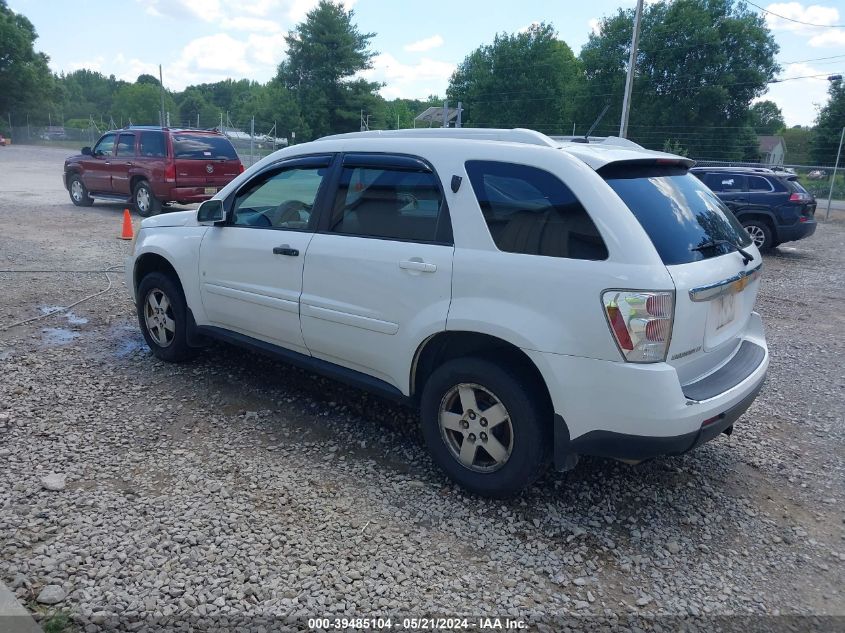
760 234
144 201
486 426
78 193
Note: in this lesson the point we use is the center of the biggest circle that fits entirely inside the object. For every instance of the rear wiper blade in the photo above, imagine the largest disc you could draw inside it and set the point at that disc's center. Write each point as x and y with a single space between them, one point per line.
746 256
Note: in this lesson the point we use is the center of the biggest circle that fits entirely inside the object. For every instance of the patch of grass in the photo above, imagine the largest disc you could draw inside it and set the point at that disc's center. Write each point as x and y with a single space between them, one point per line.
58 622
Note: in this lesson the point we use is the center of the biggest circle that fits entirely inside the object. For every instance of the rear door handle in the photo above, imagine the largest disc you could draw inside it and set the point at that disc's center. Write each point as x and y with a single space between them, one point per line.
417 264
285 249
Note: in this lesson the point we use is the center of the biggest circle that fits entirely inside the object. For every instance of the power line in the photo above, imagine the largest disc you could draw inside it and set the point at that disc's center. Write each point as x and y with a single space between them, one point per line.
783 17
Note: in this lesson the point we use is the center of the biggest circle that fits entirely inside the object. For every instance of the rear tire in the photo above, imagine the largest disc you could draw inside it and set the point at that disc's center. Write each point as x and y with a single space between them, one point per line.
495 457
79 192
144 201
162 315
760 234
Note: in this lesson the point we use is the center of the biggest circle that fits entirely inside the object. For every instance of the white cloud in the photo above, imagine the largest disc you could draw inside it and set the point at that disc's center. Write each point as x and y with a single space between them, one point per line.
409 81
254 25
793 96
420 46
817 36
595 25
206 10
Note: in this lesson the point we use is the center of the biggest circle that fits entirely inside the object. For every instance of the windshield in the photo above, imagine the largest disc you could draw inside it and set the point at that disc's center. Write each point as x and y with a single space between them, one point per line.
677 211
202 146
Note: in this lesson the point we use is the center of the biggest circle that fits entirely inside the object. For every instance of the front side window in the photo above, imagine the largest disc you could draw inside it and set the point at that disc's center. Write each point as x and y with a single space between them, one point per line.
725 183
104 146
280 200
529 210
152 145
126 145
388 203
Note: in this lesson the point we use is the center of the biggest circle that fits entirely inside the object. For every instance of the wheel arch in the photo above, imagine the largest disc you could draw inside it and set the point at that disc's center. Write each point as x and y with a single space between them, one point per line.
135 179
154 262
444 346
761 216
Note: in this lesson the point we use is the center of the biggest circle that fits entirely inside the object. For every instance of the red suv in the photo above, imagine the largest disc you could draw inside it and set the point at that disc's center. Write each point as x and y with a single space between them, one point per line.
152 166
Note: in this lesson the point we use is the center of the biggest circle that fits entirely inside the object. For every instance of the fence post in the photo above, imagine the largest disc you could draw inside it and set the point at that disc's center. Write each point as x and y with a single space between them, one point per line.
833 180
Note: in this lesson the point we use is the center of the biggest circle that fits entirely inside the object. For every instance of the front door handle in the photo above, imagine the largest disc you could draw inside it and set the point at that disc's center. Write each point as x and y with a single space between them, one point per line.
417 264
285 249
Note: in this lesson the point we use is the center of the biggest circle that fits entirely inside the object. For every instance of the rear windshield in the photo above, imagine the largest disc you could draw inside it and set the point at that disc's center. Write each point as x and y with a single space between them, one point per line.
677 212
202 146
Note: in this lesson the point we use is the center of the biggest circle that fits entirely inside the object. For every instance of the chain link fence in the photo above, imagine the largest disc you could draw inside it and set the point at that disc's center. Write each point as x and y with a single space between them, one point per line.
250 147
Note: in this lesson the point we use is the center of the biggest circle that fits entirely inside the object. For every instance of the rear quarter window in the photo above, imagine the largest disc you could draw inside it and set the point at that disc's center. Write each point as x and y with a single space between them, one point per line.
677 211
529 210
203 147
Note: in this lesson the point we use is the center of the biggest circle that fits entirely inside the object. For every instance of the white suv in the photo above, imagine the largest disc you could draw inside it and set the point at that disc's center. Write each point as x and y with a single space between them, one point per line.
537 299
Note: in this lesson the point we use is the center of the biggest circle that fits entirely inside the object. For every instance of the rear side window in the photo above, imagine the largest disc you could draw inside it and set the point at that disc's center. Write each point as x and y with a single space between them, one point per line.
530 211
759 184
391 204
725 183
202 146
677 212
152 145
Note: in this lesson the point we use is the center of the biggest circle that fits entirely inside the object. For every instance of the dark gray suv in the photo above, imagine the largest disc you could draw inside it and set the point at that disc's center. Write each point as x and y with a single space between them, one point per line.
772 206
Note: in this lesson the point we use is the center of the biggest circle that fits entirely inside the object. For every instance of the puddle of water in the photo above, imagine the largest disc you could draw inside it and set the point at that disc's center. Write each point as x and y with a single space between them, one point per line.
58 335
72 318
130 346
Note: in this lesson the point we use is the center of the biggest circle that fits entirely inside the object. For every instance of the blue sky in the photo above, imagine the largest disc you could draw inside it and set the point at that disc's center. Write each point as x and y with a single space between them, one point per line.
200 41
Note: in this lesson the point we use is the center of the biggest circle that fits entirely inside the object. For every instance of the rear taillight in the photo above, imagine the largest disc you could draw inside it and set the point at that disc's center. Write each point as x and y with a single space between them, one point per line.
799 197
240 168
641 323
170 173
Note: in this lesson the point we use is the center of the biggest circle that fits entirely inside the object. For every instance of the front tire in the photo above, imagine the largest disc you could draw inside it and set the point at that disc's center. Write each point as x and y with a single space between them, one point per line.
760 234
486 426
144 200
162 314
79 192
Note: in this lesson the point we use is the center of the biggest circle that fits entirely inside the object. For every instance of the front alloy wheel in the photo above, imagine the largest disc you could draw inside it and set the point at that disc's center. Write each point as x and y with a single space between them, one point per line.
756 234
158 317
476 427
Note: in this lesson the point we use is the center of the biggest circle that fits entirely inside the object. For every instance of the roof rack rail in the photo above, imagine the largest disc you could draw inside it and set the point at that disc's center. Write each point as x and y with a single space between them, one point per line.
515 135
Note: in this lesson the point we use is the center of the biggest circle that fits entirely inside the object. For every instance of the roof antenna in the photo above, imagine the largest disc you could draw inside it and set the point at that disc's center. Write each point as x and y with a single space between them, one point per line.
593 126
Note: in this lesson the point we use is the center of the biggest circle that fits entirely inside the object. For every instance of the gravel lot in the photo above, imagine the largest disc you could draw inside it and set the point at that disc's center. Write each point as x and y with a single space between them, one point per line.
235 488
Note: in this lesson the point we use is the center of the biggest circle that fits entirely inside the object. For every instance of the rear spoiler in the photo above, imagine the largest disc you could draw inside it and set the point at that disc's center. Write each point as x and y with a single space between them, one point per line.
641 164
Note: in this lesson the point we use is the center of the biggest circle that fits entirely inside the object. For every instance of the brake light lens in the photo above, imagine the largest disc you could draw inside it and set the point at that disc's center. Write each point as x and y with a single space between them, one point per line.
641 323
170 173
799 197
240 168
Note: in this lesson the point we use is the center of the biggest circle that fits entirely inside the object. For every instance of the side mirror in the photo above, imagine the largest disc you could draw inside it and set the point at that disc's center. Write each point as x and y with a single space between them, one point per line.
210 212
87 151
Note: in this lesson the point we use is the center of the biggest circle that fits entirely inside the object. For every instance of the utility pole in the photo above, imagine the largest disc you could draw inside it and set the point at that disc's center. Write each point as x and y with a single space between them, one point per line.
161 93
251 137
445 114
460 111
629 81
833 180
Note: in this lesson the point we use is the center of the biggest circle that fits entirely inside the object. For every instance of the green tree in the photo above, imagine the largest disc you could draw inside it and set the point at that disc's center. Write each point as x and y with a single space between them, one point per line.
195 110
766 118
140 104
324 53
829 124
700 63
797 140
528 79
25 79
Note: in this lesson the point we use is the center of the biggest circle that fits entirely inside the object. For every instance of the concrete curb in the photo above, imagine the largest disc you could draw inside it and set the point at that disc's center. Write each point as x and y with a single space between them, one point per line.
14 618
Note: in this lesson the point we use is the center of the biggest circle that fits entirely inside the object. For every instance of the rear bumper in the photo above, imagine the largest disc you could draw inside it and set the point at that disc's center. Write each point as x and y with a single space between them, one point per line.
639 447
637 411
191 194
796 231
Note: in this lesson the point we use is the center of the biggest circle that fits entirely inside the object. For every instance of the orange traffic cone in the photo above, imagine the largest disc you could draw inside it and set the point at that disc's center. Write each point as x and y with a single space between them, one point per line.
126 234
